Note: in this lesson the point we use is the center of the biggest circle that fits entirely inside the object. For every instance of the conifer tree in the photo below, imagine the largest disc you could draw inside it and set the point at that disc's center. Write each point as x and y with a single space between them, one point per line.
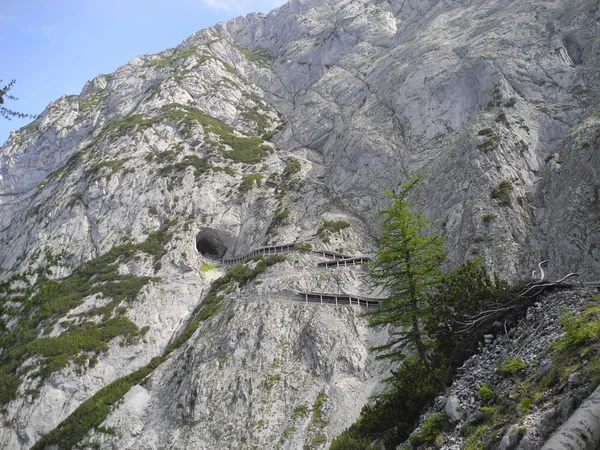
408 266
9 113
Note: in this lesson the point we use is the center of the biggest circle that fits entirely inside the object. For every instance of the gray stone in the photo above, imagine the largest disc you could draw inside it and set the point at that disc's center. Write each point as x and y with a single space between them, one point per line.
565 407
510 439
454 409
575 380
545 366
527 443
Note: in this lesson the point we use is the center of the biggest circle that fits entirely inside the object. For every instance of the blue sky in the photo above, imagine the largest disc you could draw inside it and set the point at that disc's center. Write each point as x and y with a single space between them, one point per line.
52 47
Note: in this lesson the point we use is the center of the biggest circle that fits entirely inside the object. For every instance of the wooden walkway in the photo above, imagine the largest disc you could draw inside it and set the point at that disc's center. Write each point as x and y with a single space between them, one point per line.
321 298
336 260
356 261
338 299
265 251
284 248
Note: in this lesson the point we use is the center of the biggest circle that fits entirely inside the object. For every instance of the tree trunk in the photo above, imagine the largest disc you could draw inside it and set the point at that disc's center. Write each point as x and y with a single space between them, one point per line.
582 430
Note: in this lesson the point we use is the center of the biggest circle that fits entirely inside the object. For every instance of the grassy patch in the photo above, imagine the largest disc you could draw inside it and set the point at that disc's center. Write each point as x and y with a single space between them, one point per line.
207 268
200 165
479 438
260 56
112 166
160 62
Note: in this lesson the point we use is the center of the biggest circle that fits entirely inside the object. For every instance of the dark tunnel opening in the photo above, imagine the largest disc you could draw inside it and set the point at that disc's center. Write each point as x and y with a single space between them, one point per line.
209 245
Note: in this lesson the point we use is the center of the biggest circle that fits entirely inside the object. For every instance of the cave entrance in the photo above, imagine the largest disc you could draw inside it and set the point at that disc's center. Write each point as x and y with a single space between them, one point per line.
209 244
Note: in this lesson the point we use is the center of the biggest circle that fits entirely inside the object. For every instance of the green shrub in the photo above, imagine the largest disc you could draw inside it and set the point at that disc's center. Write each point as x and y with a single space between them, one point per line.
510 102
292 167
55 298
491 143
92 412
579 330
485 132
113 166
315 442
300 411
160 62
249 182
332 226
200 165
525 405
56 352
430 430
487 394
278 220
317 410
489 412
480 438
304 247
511 366
261 56
348 442
261 120
502 193
488 218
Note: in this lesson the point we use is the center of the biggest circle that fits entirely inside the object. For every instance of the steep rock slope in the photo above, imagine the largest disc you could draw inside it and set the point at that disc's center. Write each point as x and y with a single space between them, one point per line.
255 133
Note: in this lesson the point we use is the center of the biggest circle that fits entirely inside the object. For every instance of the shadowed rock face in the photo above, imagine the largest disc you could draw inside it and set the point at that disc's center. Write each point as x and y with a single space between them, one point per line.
208 243
354 96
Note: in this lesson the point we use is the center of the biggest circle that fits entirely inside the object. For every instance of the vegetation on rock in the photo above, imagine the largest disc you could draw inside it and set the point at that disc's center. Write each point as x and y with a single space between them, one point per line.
44 304
91 413
425 305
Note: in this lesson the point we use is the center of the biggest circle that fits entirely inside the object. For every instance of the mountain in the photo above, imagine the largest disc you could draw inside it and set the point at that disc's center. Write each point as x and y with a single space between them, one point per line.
261 132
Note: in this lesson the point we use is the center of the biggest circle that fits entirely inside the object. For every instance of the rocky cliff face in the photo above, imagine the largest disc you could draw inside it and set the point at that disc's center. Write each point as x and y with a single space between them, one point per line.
255 133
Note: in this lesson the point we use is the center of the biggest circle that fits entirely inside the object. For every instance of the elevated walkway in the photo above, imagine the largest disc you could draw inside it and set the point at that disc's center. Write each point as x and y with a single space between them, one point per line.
283 248
336 260
356 261
338 299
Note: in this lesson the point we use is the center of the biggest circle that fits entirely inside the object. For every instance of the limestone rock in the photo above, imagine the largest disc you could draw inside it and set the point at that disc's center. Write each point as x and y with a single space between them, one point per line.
494 103
454 409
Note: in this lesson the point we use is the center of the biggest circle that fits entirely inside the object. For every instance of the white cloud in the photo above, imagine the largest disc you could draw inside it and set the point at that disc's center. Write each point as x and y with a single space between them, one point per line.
244 6
216 4
47 30
5 17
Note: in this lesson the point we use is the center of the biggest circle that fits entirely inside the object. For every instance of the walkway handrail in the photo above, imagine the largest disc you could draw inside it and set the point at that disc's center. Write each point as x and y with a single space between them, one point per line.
283 248
339 299
354 261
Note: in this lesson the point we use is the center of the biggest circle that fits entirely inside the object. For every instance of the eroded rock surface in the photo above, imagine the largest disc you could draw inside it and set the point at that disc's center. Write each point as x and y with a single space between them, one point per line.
494 103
